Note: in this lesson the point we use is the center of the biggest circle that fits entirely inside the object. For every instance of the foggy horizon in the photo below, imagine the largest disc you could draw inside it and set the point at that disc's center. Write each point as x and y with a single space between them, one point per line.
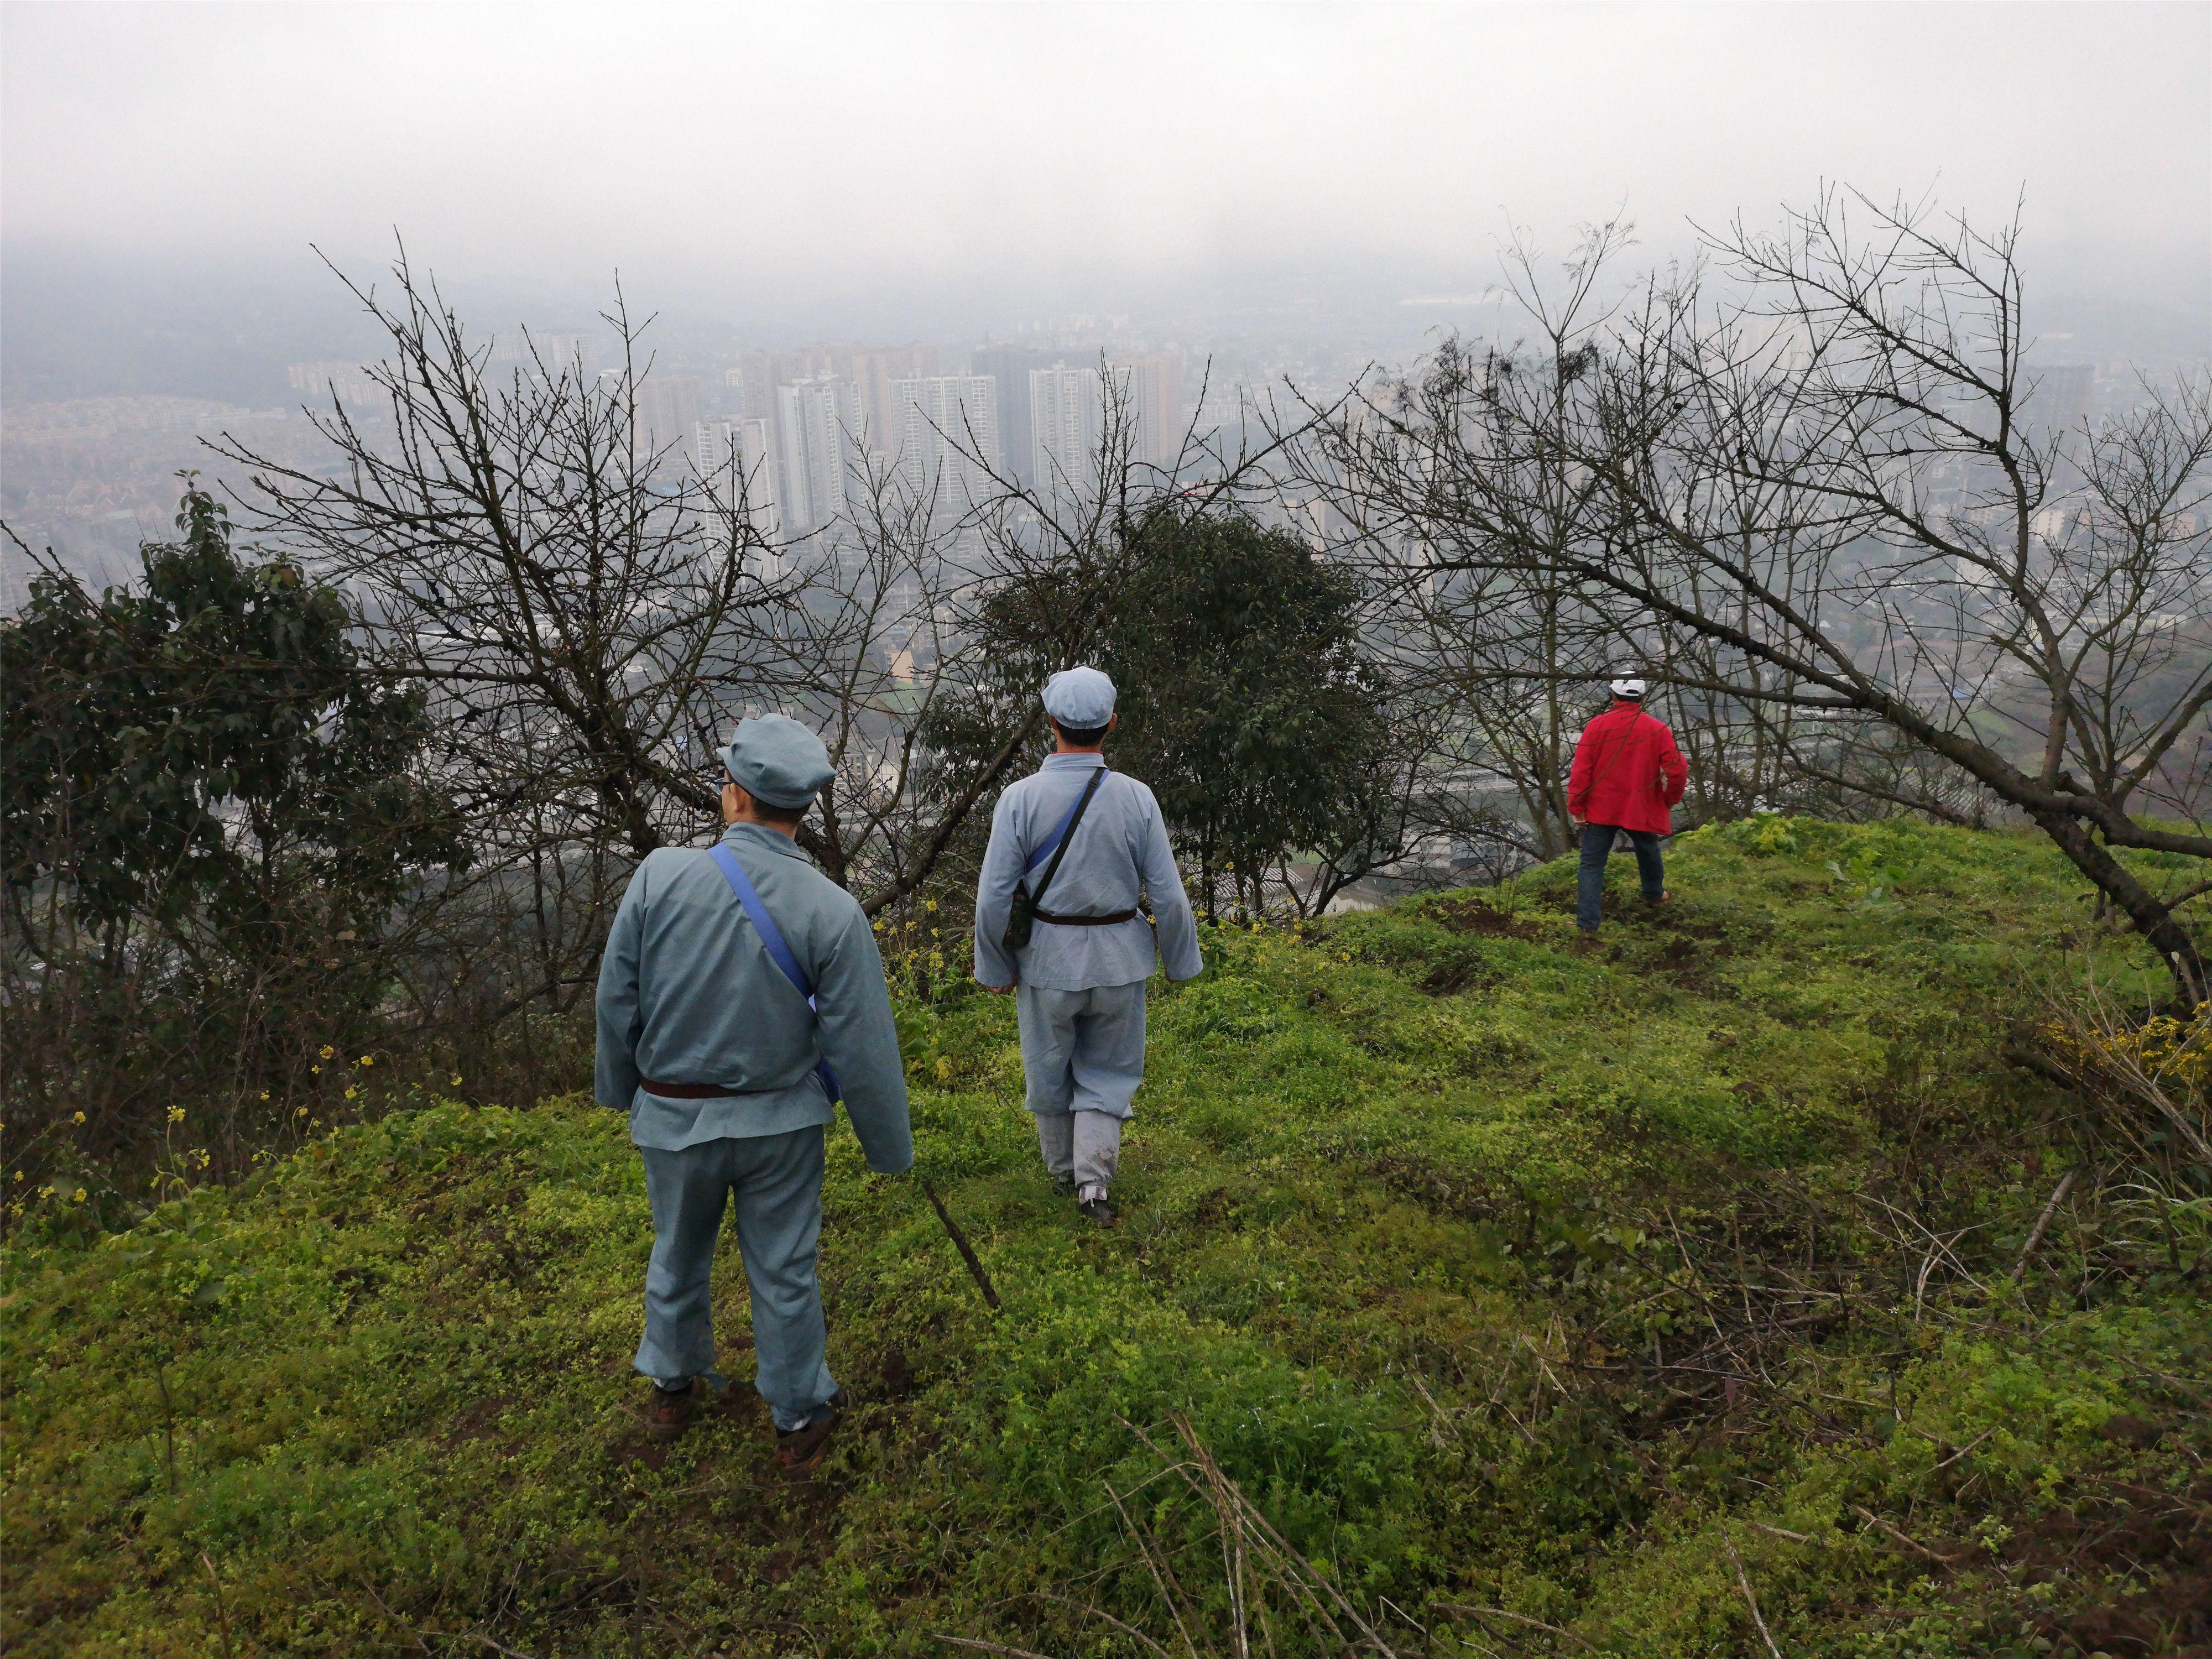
950 172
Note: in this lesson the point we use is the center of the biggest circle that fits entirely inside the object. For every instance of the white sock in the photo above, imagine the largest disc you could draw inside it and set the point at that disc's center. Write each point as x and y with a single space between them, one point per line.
1090 1190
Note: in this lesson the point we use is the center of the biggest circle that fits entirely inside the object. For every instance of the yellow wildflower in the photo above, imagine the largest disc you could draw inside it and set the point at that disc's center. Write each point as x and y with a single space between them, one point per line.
366 1060
454 1081
176 1115
325 1052
350 1093
79 1195
77 1118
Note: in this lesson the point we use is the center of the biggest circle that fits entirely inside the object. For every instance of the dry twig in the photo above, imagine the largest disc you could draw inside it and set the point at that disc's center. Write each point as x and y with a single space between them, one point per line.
1743 1584
2043 1221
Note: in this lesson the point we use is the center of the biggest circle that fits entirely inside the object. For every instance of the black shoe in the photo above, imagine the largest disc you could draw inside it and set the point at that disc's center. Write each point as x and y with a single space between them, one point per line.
1064 1185
1098 1210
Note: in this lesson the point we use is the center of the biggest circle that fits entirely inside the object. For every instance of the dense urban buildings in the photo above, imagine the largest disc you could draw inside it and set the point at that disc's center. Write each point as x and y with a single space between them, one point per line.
795 432
945 434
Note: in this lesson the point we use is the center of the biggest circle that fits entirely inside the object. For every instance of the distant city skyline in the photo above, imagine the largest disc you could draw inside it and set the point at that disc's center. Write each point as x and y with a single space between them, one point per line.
1209 198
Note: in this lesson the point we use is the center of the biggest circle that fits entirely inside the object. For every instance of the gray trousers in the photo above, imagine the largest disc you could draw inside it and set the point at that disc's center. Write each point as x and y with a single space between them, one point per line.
776 1181
1085 1145
1083 1058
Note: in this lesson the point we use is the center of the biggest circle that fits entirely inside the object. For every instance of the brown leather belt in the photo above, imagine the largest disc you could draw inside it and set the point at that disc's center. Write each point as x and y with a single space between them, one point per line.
695 1091
1083 922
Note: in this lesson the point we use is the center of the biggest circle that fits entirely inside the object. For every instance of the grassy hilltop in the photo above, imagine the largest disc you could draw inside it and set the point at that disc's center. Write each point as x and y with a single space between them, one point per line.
1656 1302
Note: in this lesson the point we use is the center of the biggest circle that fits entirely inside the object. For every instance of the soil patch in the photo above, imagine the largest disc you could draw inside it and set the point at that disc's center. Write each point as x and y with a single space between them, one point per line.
1469 914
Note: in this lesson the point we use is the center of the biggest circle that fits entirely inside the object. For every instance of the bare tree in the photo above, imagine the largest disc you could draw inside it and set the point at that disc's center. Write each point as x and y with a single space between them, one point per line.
574 594
1826 496
866 647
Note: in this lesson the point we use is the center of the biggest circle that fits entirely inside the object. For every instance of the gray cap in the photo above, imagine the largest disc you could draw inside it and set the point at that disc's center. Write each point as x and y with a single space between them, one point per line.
1629 687
778 761
1080 699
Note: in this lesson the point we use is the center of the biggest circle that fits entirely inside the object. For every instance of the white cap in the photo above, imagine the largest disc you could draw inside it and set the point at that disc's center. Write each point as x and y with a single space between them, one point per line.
1628 688
1080 699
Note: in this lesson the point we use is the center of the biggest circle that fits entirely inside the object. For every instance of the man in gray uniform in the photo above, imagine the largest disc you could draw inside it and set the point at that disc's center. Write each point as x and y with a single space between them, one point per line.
1082 975
707 1041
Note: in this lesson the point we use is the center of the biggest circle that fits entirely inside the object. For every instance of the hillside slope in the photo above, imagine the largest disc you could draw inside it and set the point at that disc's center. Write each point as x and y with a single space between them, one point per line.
1656 1302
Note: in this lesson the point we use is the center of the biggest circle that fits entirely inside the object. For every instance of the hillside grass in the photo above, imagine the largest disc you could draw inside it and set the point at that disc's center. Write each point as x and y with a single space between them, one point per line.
1543 1304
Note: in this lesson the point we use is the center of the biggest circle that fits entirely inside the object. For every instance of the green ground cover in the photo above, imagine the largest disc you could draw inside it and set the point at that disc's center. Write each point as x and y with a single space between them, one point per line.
1658 1302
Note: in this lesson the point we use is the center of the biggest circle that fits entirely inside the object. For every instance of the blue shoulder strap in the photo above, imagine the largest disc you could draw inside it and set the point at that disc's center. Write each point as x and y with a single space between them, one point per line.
771 938
1058 834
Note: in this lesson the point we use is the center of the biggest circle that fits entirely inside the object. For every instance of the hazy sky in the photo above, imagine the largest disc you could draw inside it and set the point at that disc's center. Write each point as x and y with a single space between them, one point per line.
772 153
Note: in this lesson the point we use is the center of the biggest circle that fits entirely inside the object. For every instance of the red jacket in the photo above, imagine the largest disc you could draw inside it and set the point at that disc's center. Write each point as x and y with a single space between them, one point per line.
1627 772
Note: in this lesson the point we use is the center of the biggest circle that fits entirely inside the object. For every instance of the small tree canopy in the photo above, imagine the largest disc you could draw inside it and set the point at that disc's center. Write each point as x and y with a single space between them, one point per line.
1246 701
170 750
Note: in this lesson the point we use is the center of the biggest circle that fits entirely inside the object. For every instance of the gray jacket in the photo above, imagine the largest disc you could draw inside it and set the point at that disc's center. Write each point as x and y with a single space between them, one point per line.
688 994
1121 845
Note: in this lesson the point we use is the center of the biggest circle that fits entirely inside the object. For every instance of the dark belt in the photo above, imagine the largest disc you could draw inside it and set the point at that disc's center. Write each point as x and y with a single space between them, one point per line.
695 1091
1083 922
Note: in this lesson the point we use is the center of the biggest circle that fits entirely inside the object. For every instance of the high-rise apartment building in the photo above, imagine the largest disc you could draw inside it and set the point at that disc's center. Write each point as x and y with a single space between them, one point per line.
667 410
2063 395
737 458
870 370
561 352
751 382
349 382
873 372
1153 385
944 434
1009 366
1065 405
818 422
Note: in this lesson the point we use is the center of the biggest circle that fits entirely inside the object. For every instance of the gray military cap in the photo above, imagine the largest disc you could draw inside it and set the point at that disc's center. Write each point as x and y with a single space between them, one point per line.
778 761
1080 698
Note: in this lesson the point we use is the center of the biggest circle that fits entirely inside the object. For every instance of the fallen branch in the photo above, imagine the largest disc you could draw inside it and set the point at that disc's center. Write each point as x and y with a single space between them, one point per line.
1130 1631
221 1607
2050 1069
1159 1579
1780 1532
2043 1221
967 1254
1743 1584
1518 1619
1913 1544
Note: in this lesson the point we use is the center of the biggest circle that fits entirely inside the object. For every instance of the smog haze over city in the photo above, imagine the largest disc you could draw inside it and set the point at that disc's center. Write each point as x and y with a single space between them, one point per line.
1269 190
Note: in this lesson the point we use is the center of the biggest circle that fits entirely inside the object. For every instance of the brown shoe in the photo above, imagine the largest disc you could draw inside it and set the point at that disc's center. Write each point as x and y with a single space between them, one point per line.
800 1449
669 1413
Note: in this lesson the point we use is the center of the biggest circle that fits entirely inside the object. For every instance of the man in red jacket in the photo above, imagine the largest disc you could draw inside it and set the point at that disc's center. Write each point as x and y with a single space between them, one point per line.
1627 776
